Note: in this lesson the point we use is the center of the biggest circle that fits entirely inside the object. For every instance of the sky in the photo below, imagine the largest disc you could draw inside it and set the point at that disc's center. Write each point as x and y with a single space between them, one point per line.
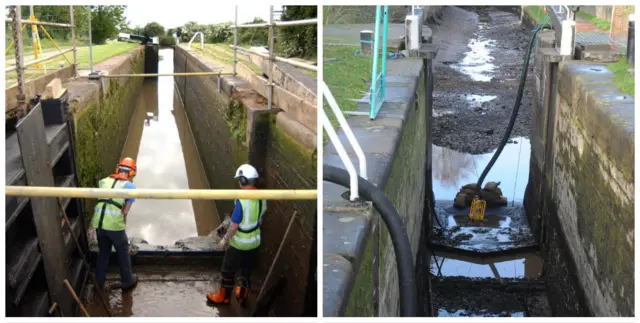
171 14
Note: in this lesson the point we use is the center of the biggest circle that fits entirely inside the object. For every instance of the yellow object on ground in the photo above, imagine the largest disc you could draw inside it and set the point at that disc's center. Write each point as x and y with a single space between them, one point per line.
477 210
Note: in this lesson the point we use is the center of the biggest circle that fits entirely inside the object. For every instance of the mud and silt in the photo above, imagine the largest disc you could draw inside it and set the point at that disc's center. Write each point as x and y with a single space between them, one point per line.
476 74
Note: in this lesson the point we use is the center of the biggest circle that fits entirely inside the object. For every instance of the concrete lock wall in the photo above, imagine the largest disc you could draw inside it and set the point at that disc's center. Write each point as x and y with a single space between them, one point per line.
580 197
102 111
233 126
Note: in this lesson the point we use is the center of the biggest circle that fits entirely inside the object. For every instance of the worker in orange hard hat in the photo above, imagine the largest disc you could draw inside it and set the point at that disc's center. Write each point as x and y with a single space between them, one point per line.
109 220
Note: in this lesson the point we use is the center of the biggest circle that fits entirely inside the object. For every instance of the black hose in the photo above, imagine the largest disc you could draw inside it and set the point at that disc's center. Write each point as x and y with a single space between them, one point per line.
399 238
516 107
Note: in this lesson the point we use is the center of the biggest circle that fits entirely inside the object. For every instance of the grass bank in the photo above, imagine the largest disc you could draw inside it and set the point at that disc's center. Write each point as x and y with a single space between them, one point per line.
623 80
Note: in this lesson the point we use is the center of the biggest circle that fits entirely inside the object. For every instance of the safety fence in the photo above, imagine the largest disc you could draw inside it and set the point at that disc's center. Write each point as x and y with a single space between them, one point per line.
271 57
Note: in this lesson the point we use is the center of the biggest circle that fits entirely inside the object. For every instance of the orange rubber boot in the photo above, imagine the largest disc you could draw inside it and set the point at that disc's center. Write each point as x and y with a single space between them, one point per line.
224 293
242 290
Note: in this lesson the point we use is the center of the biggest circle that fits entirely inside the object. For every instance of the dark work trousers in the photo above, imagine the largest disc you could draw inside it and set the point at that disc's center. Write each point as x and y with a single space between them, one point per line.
119 240
238 260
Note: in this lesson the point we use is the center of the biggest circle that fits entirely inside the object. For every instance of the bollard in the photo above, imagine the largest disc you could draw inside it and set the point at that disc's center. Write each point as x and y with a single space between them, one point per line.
631 38
413 36
366 42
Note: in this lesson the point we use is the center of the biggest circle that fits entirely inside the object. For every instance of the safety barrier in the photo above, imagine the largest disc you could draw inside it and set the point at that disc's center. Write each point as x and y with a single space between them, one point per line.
353 174
163 194
378 80
194 37
271 45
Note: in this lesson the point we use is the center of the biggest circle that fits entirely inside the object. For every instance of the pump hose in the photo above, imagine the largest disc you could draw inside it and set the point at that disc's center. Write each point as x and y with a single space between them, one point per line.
399 238
516 107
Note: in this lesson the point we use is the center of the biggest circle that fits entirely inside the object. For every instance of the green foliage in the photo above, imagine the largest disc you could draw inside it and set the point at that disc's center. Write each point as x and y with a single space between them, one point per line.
166 41
299 40
254 36
170 31
105 21
602 24
623 80
218 33
153 29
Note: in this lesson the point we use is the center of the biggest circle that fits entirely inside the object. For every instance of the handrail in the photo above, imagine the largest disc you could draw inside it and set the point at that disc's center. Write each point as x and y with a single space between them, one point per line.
271 44
159 74
194 37
279 59
377 93
163 194
362 159
353 174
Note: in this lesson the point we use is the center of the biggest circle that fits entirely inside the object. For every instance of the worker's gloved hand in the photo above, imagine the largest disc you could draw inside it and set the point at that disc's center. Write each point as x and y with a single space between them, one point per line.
224 243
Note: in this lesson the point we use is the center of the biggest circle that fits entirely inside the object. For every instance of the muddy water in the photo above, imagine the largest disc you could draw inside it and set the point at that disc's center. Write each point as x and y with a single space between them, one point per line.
477 61
161 141
452 170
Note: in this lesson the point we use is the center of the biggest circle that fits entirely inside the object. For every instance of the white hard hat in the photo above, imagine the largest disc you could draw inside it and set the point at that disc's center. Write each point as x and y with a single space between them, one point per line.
247 171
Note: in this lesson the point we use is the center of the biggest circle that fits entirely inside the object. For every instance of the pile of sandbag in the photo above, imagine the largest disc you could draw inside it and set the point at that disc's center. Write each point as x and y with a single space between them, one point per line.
490 193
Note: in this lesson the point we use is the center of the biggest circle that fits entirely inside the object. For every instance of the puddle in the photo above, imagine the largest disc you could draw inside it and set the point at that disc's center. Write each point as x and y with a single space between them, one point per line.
508 266
477 62
161 141
452 170
482 313
476 101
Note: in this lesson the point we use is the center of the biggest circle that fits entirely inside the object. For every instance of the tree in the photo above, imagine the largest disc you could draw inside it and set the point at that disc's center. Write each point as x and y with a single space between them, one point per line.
105 21
170 31
299 40
153 29
254 36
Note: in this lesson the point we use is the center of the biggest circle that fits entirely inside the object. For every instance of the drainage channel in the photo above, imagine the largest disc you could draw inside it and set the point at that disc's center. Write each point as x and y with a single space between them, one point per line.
161 141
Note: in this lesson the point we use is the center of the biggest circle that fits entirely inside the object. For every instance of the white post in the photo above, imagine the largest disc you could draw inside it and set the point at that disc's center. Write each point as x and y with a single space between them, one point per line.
271 56
73 41
566 44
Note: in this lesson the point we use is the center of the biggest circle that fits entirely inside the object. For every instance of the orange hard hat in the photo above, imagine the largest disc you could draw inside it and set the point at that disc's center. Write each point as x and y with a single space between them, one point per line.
128 163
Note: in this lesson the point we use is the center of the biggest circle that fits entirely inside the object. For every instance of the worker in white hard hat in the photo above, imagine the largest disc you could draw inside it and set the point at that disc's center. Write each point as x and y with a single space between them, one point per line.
241 241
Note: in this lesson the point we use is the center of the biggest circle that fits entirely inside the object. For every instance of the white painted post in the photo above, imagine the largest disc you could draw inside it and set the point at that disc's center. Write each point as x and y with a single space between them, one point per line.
413 37
566 44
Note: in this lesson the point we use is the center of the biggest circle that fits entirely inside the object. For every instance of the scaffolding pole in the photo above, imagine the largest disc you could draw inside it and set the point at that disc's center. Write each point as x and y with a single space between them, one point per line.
162 194
43 23
73 41
235 42
17 38
159 74
271 56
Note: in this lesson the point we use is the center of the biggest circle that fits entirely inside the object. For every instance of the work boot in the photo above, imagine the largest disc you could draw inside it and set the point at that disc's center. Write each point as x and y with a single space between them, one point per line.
224 293
242 290
127 287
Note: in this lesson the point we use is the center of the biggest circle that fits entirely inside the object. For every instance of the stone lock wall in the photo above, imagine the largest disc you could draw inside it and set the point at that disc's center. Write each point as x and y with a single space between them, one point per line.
232 126
580 197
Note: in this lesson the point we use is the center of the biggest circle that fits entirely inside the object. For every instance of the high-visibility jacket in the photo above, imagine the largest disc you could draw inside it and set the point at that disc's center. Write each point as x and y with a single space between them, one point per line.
248 235
107 214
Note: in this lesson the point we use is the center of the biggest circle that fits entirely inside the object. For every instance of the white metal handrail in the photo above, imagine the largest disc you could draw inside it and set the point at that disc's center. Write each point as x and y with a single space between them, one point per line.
335 140
362 159
194 37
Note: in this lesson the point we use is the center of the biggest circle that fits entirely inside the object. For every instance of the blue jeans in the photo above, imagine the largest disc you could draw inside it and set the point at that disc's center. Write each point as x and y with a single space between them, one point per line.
119 240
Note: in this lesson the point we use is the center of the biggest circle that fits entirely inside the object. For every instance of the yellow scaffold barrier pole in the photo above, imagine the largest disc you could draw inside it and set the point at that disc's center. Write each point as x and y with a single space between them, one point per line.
160 194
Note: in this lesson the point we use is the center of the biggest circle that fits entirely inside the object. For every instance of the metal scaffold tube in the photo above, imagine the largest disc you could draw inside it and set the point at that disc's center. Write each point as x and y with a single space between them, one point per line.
160 74
163 194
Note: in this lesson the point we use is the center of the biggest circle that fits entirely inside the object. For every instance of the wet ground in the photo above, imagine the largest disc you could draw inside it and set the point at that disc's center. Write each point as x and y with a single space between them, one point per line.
173 291
490 268
477 72
161 142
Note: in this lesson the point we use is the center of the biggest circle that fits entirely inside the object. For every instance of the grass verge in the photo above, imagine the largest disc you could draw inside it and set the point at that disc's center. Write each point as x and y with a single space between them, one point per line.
536 13
100 53
623 80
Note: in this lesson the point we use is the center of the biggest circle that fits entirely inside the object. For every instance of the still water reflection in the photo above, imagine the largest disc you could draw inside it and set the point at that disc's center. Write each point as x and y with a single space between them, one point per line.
453 169
161 141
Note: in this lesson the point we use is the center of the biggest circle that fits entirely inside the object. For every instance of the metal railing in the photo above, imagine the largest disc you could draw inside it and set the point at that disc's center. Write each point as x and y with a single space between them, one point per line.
378 77
194 37
271 45
20 66
335 140
162 194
